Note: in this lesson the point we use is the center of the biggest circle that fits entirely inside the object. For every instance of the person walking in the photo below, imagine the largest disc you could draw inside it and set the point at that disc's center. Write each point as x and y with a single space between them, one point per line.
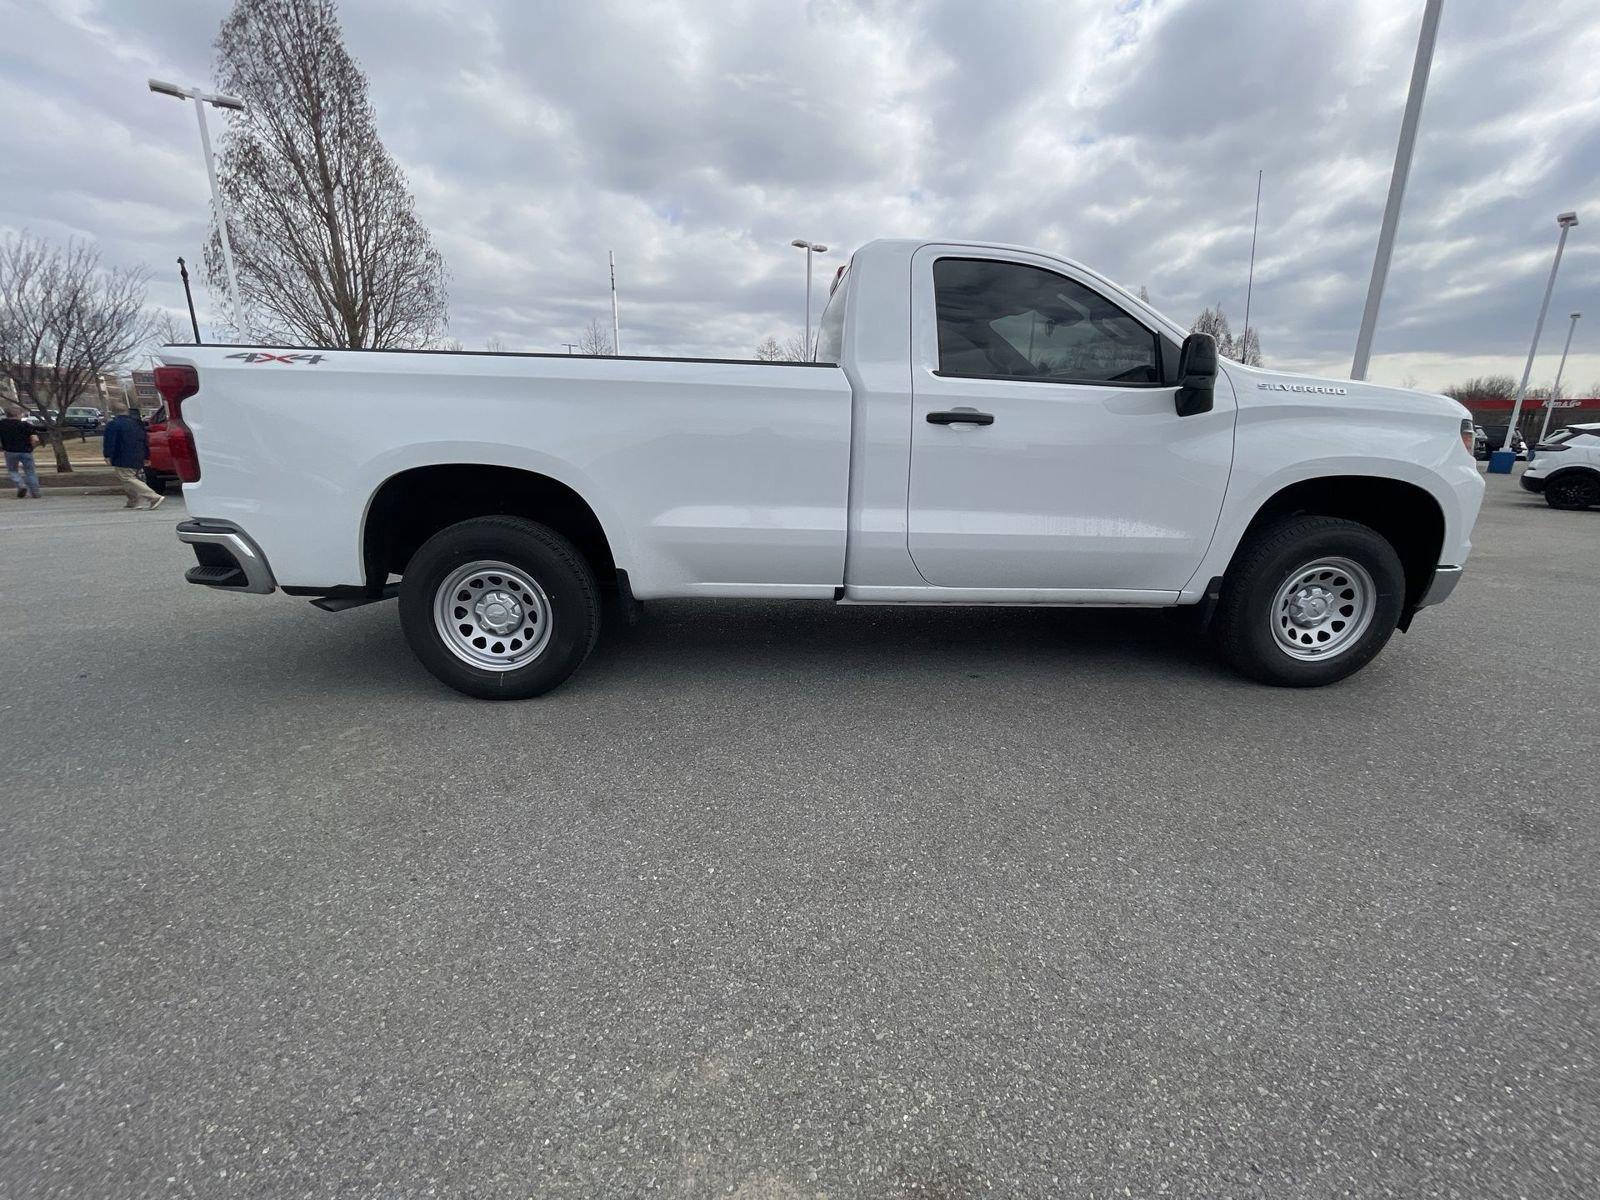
125 446
18 439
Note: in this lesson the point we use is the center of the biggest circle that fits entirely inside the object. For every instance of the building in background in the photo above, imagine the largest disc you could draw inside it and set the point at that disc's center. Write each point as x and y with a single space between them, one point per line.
144 391
1570 410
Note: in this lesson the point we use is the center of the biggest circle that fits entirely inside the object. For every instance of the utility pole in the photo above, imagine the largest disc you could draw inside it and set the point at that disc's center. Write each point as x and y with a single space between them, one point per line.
571 346
201 99
1397 185
1555 388
810 248
1500 463
616 329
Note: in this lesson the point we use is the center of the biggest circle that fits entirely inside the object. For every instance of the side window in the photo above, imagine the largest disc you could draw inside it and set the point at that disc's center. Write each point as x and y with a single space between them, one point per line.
830 333
1009 319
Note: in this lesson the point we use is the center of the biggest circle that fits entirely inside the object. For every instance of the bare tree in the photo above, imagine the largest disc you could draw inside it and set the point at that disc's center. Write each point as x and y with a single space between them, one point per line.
495 346
165 330
595 338
1215 322
1247 349
325 235
1482 387
791 349
64 321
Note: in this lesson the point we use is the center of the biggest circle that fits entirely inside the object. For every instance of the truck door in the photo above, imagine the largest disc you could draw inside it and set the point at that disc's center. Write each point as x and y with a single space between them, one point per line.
1046 451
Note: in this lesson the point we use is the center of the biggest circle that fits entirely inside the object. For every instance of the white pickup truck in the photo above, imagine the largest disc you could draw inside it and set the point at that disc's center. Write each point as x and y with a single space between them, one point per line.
983 424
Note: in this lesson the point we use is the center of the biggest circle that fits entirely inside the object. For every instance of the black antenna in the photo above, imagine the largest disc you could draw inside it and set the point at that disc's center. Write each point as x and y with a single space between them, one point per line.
184 271
1251 282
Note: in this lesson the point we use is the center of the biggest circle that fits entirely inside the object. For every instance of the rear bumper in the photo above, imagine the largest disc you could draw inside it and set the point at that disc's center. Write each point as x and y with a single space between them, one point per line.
228 559
1439 588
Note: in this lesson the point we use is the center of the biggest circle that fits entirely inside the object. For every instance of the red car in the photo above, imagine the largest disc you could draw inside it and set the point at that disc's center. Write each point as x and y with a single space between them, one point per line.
158 469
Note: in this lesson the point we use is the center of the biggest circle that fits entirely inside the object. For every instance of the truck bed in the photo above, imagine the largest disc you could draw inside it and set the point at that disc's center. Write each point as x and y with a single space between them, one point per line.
708 476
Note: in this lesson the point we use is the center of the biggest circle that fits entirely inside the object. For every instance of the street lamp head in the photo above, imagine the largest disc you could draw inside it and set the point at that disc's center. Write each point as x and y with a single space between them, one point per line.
168 89
1575 316
226 102
801 244
818 248
1567 220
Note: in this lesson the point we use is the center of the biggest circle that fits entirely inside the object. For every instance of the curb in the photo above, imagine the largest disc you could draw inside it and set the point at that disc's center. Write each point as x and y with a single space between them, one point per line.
91 490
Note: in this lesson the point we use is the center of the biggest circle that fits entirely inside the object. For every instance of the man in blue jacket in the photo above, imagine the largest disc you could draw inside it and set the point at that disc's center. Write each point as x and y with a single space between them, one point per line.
125 447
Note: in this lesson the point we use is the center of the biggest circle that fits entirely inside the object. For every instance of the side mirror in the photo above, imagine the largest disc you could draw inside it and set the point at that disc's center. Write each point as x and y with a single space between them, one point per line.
1197 374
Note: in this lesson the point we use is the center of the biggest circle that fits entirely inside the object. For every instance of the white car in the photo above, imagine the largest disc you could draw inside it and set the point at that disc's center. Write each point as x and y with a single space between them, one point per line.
1566 467
983 424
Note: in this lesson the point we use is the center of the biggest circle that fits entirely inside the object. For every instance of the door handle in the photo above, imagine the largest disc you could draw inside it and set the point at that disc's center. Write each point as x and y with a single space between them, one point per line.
961 416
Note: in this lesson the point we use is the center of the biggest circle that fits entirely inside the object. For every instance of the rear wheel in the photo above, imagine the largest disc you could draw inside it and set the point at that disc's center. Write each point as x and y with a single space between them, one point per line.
1308 601
500 608
1571 491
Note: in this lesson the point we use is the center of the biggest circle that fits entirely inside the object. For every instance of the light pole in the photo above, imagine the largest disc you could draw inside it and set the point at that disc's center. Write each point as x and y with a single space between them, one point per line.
1397 185
1555 388
616 327
1500 463
202 98
810 248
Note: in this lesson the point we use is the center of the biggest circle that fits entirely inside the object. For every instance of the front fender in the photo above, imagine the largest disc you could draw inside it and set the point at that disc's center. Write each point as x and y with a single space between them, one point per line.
1411 448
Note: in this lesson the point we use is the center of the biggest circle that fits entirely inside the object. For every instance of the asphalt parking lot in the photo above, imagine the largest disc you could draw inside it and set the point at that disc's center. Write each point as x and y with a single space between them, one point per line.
781 901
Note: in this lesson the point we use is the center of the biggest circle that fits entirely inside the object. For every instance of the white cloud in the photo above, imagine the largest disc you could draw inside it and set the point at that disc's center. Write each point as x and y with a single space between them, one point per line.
696 139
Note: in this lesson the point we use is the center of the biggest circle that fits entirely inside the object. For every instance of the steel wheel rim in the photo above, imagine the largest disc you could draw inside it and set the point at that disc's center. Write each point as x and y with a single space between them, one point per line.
492 615
1323 608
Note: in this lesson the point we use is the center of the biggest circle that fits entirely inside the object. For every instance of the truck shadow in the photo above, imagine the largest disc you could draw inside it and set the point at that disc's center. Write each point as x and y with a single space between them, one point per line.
764 637
684 645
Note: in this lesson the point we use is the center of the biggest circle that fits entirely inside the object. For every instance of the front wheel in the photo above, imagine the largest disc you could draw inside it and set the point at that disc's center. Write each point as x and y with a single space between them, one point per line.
1308 601
500 608
1573 491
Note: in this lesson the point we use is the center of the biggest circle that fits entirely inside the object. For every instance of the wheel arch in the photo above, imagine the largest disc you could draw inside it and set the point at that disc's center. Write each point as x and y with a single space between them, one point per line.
1405 514
1574 469
413 504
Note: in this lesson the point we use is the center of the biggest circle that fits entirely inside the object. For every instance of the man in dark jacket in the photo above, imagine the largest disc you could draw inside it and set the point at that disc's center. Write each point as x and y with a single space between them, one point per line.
125 447
18 439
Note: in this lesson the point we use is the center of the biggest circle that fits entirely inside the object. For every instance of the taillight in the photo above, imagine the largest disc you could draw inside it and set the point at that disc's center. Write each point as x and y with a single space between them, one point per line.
177 384
1467 436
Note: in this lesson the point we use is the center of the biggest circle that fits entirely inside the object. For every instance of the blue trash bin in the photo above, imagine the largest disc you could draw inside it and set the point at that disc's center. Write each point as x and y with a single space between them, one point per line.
1500 462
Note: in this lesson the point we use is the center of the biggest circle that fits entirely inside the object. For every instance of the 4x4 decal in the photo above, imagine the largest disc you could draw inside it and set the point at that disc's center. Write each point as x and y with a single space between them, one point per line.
261 356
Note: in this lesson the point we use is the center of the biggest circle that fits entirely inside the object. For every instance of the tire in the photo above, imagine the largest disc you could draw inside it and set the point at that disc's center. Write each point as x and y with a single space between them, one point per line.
1573 491
156 482
1308 601
500 608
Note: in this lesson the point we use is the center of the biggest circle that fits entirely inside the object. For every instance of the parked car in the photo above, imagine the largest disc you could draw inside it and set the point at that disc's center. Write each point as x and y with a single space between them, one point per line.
159 472
981 425
1480 443
1566 467
1495 437
83 418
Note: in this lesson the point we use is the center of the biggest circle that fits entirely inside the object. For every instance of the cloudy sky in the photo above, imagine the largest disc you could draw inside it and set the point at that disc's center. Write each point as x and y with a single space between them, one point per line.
697 138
